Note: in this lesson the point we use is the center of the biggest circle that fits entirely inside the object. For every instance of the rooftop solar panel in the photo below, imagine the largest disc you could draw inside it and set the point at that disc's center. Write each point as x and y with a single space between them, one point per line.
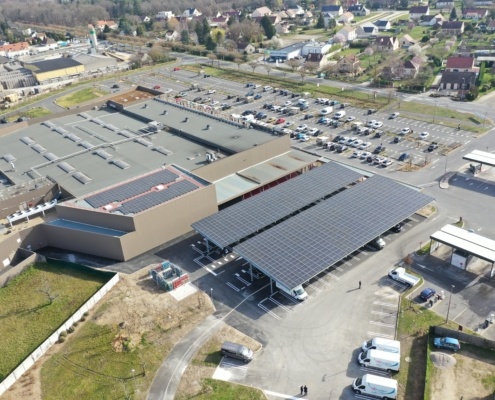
131 189
305 245
249 216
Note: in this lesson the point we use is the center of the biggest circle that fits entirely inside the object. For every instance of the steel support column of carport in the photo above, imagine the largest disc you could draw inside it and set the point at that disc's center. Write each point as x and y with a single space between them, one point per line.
251 274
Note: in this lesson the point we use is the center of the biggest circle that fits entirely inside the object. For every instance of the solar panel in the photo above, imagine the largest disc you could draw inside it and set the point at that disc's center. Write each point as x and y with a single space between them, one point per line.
303 246
153 199
84 179
131 189
249 216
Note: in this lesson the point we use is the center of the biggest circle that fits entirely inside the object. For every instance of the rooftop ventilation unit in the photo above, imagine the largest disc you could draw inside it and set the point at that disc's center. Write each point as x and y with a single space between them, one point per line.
121 164
163 151
103 154
39 148
27 140
74 138
66 167
50 156
86 144
9 158
144 142
84 179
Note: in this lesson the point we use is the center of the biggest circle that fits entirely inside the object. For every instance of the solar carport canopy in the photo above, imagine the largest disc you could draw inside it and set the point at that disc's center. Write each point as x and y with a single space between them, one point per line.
303 246
249 216
481 157
470 242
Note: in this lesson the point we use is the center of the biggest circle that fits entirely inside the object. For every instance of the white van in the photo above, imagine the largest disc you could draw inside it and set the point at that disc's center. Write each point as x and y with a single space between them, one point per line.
391 346
384 388
356 125
326 111
298 292
302 102
380 359
247 118
339 114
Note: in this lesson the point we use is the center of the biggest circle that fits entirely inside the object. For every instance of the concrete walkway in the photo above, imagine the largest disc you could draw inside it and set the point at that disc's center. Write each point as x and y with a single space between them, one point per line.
170 372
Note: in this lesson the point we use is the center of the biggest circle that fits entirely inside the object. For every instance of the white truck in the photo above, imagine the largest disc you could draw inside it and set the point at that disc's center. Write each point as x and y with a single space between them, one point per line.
298 292
380 360
399 274
392 346
384 388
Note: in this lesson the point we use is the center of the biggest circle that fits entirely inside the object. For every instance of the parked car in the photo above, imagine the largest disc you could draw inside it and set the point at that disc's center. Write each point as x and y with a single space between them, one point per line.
394 115
365 155
341 148
357 154
377 124
371 111
258 96
176 69
423 135
364 145
350 118
288 103
378 134
405 131
387 162
279 121
447 343
433 146
156 87
250 93
397 139
314 131
396 228
404 156
302 128
116 86
427 294
379 149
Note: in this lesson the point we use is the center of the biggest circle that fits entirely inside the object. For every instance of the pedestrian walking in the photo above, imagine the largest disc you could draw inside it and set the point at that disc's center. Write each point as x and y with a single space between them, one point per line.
359 284
302 390
305 390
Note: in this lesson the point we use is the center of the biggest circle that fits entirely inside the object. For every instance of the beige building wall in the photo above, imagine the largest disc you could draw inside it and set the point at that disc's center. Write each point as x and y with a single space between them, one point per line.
237 162
93 217
44 76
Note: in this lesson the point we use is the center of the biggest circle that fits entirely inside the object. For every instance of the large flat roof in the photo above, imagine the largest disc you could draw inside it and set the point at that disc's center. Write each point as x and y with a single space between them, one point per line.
125 149
258 212
482 157
306 244
472 243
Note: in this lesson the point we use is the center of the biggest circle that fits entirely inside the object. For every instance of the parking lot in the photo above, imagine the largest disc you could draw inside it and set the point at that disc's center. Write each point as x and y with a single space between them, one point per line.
223 96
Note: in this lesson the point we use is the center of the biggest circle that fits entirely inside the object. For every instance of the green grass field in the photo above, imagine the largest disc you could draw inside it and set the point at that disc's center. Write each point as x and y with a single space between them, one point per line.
220 390
34 112
28 317
80 96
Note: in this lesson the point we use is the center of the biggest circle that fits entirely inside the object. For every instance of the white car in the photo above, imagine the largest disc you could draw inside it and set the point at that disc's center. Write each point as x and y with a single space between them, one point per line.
287 131
405 131
394 115
365 155
350 119
357 154
424 135
288 103
350 141
371 122
304 138
302 128
378 124
387 162
364 145
343 140
214 103
256 86
211 91
287 124
276 108
379 160
356 143
267 88
323 101
312 131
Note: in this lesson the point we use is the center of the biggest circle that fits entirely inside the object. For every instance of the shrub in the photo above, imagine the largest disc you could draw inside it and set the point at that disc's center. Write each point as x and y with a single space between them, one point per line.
71 329
63 334
75 324
86 314
61 339
82 319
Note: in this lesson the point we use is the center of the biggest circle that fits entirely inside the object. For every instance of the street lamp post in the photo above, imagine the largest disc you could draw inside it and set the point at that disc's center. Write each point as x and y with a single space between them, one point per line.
211 293
450 299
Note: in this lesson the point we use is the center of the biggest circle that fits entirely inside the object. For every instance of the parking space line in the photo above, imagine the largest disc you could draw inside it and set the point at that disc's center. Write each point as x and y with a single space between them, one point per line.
386 314
210 271
268 311
243 280
314 287
290 298
382 324
375 371
279 304
333 276
339 269
224 363
233 286
374 334
379 303
327 284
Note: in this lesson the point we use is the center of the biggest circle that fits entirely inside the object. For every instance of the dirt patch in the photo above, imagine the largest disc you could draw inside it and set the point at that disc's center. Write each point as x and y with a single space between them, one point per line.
206 360
427 211
464 380
442 360
131 97
139 307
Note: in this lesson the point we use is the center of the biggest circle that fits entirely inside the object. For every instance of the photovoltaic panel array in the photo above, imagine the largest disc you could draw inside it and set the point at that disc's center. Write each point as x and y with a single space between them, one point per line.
249 216
131 189
305 245
153 199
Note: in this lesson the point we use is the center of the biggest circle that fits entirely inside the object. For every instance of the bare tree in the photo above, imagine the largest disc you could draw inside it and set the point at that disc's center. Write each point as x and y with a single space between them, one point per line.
45 288
253 65
268 68
238 61
339 39
311 66
294 64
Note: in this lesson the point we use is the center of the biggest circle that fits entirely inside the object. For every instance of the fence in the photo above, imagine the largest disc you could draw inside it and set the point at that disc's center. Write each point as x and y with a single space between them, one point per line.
53 338
465 337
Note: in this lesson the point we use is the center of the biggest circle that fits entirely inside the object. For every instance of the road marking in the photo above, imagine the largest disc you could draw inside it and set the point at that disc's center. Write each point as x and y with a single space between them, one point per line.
383 313
422 266
279 304
459 314
375 371
224 363
233 286
382 324
314 287
242 280
283 396
295 301
268 311
382 335
333 276
379 303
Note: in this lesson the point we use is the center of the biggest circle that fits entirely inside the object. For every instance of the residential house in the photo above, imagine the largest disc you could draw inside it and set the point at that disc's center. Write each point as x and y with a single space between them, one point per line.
232 14
298 11
431 20
14 50
445 4
491 26
366 30
407 41
383 25
165 15
219 22
461 64
359 10
172 35
416 12
275 19
261 12
291 13
191 12
317 58
408 69
334 9
457 80
346 18
349 64
245 48
307 18
348 32
327 17
100 25
474 13
452 27
283 27
477 3
386 43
